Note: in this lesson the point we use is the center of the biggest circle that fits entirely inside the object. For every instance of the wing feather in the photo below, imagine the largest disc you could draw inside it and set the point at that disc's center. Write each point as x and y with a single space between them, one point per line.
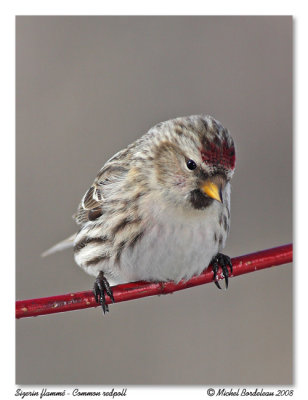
90 207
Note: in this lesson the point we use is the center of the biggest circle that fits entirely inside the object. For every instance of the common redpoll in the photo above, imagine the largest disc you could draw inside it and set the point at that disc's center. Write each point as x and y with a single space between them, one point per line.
158 210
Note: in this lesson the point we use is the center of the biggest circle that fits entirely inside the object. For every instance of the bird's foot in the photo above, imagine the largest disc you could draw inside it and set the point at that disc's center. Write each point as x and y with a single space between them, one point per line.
101 287
223 261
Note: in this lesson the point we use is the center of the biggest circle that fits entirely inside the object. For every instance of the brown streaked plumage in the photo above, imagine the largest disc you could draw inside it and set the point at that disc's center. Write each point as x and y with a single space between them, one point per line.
159 209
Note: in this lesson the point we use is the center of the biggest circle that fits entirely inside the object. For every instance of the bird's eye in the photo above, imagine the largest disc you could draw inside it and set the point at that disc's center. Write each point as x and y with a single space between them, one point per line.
191 164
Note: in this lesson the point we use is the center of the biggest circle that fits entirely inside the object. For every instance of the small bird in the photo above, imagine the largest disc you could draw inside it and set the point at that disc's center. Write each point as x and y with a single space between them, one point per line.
159 210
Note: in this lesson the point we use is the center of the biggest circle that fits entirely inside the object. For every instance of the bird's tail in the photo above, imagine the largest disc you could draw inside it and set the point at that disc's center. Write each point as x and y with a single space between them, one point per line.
65 244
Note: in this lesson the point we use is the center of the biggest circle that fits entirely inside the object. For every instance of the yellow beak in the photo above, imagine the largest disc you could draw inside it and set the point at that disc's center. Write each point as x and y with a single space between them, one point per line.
212 190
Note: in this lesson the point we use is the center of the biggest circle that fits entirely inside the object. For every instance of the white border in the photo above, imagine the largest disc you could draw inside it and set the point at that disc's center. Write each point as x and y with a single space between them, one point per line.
56 7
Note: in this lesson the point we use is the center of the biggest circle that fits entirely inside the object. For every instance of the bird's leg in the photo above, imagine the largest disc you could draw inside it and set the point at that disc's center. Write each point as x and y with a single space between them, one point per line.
223 261
101 287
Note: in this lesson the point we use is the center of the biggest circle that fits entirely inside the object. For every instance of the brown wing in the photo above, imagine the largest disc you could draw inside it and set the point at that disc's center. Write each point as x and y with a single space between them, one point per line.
90 207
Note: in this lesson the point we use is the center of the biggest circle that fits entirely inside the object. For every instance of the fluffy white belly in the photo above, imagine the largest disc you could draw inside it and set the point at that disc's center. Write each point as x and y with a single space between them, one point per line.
173 248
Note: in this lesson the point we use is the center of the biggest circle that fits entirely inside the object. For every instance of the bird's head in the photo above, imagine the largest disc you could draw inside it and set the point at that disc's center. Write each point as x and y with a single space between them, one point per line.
194 160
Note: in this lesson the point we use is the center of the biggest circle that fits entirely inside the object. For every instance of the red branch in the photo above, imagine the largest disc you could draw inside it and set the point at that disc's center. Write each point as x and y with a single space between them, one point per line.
135 290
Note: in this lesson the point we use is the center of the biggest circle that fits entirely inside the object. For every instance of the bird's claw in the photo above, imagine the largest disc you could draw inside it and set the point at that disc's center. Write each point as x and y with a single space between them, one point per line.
223 261
102 287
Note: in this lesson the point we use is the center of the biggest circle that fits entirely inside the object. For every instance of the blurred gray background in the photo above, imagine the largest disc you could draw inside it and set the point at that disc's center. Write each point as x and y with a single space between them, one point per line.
85 88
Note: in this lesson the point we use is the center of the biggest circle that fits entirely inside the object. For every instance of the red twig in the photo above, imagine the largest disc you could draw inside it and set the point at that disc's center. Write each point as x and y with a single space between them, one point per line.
76 301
